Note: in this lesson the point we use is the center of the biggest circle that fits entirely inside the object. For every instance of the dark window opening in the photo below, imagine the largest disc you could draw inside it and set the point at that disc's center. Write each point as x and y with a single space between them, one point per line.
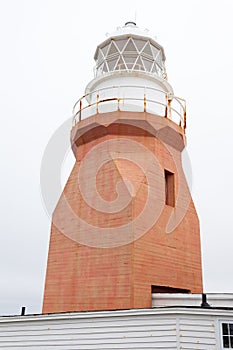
169 188
227 335
165 289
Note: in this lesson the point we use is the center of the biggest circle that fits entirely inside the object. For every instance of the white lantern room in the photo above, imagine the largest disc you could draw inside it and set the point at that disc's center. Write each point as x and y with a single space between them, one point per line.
130 75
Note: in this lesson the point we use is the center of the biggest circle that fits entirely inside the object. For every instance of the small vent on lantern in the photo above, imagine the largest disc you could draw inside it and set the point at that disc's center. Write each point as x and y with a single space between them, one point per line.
130 23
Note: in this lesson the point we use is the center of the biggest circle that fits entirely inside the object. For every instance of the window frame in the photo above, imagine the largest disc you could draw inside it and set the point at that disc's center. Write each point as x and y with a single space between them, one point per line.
220 328
170 193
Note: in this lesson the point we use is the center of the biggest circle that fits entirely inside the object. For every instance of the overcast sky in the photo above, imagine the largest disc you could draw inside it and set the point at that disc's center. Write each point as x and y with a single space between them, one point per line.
47 49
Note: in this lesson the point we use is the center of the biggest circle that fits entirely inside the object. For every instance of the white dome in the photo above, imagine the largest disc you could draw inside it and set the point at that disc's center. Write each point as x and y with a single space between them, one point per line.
131 28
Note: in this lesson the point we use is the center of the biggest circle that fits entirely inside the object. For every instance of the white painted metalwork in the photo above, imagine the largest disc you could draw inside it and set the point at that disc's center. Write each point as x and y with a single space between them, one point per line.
130 49
130 54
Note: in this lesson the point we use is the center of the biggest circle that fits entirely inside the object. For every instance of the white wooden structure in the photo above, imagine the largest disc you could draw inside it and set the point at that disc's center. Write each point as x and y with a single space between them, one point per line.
185 325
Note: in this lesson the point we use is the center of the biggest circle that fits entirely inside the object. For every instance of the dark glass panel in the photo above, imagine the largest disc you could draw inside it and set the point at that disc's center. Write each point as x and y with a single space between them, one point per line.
224 328
226 341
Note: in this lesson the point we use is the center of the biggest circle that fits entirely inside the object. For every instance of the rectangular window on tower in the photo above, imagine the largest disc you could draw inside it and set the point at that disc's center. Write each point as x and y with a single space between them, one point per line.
169 188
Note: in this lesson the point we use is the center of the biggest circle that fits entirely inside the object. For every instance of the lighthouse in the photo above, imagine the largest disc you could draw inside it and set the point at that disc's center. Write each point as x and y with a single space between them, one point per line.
125 225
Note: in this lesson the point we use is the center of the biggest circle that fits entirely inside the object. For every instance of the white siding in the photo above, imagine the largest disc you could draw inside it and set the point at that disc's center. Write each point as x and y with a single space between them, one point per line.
160 328
197 333
120 332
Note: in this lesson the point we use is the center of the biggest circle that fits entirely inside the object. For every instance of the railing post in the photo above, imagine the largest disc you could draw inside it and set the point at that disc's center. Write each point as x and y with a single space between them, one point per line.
166 107
144 102
97 103
184 115
80 111
118 104
169 107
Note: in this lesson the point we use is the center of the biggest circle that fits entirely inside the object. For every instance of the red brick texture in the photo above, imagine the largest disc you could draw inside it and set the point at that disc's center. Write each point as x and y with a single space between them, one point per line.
82 276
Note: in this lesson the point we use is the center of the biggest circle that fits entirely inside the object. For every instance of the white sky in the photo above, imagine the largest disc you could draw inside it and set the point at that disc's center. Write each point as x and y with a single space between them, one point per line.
47 49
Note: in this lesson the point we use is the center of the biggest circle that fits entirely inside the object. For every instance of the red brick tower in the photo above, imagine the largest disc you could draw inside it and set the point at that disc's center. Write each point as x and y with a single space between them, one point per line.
125 224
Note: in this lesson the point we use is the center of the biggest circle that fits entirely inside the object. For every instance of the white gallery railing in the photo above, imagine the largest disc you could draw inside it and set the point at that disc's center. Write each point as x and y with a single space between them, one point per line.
131 98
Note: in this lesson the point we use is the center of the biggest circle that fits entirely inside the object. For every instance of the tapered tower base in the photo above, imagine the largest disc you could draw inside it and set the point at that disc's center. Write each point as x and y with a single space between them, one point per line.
131 227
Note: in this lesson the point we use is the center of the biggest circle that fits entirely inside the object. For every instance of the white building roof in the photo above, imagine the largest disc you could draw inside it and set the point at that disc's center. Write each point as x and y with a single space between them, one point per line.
215 300
178 327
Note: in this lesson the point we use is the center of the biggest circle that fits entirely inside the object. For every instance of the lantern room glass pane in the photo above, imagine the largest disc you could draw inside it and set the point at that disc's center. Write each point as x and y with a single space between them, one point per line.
147 50
120 44
105 49
120 64
105 68
100 57
154 68
160 72
130 60
155 51
139 44
147 64
112 50
112 63
139 64
100 69
130 47
159 59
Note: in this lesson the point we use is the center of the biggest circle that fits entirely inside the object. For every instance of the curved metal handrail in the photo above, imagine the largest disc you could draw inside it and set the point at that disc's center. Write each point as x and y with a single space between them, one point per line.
169 109
116 87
